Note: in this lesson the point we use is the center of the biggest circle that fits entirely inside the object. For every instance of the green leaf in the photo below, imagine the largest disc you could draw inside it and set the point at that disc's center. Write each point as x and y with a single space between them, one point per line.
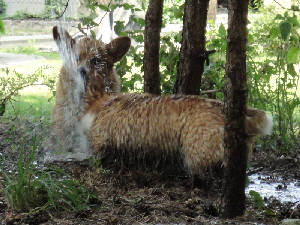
293 20
279 17
291 70
93 34
274 32
257 199
103 7
270 212
251 39
127 6
285 29
119 27
177 12
222 31
293 55
295 7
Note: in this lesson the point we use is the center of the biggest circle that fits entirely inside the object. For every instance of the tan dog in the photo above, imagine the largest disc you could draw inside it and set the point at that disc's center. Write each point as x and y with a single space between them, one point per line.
82 60
164 129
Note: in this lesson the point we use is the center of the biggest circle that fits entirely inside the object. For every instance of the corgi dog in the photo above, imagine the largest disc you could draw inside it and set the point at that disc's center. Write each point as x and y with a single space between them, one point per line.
144 130
163 130
82 59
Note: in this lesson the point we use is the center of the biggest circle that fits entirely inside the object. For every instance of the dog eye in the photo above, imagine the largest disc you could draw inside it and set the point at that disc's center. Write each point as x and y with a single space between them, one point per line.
95 61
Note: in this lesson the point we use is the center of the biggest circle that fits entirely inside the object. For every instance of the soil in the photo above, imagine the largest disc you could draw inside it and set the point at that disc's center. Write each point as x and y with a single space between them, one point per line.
125 196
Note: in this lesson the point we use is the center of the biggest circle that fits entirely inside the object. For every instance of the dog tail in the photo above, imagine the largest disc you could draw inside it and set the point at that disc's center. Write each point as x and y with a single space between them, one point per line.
258 122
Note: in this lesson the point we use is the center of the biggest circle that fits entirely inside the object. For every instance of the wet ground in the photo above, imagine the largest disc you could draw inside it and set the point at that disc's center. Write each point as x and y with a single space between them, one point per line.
124 196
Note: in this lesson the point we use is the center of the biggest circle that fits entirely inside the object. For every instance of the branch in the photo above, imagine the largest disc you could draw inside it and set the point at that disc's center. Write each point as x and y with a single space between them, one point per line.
90 27
293 9
14 92
66 6
105 12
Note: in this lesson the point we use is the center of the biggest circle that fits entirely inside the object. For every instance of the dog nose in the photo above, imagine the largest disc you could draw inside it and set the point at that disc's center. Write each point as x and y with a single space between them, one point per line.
83 72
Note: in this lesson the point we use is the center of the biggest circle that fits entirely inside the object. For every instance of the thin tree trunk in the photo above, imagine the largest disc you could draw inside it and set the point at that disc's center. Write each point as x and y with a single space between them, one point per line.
192 52
151 48
235 163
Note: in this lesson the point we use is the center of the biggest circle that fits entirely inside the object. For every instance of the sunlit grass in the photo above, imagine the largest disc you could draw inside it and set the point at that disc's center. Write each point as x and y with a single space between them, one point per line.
34 103
30 49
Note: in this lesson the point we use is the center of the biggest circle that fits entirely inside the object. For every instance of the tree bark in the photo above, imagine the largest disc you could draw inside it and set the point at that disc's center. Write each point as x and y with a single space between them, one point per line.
151 48
235 162
192 52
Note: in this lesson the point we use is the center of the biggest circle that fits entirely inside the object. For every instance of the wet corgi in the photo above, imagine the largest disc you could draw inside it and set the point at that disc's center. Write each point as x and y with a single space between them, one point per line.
163 131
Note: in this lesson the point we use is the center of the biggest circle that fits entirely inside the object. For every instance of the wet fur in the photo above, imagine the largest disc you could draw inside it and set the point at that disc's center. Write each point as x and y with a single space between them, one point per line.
141 128
82 60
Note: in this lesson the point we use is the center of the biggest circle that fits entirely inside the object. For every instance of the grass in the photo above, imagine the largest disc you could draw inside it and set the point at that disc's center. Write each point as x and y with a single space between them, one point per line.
28 187
34 103
29 49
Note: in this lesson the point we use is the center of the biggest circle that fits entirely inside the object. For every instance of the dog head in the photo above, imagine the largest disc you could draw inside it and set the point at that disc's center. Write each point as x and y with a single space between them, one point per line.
91 58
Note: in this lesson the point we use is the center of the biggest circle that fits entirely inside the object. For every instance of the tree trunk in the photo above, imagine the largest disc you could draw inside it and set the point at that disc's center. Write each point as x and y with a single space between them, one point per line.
235 162
192 52
151 48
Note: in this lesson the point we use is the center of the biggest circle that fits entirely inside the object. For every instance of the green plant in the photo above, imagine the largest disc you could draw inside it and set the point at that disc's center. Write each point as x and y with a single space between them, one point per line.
30 187
24 15
2 28
54 8
173 11
11 85
272 54
255 196
273 79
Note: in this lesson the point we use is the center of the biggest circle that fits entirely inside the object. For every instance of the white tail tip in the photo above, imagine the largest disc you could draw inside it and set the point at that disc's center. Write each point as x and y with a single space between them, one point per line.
268 125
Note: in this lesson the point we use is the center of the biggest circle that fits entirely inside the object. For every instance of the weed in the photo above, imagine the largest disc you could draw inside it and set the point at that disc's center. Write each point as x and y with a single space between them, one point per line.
12 85
30 187
257 199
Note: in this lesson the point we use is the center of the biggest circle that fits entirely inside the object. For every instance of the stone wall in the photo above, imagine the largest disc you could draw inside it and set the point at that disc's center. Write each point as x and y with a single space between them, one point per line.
37 7
29 27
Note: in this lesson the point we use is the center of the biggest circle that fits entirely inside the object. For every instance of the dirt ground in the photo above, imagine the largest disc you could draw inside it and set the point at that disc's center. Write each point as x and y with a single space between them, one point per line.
139 197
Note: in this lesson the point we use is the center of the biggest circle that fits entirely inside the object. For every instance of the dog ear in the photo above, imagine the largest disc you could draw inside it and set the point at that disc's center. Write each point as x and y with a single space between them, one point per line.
118 47
60 35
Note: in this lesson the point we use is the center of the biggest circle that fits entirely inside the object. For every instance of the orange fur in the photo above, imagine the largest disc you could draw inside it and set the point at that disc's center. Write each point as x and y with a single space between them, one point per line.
142 125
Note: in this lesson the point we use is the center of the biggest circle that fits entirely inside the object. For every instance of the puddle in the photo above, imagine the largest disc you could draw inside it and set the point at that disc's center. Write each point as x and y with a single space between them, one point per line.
268 186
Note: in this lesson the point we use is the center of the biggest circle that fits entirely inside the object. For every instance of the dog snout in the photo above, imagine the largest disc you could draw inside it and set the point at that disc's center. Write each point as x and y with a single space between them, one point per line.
83 72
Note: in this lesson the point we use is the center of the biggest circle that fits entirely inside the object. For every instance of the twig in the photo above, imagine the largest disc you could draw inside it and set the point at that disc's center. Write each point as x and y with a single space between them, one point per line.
279 4
254 171
66 6
293 9
89 27
12 93
105 12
